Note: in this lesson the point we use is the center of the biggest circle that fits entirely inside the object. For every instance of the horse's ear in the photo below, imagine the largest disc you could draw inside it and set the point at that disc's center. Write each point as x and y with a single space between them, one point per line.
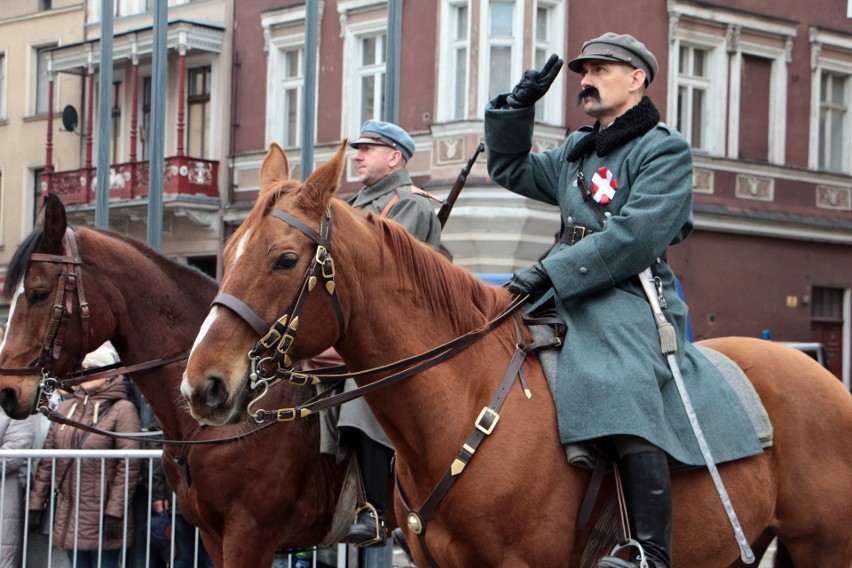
54 221
274 169
325 181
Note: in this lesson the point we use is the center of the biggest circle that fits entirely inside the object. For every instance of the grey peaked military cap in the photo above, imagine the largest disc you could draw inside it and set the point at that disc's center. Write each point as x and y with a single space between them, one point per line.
623 48
386 134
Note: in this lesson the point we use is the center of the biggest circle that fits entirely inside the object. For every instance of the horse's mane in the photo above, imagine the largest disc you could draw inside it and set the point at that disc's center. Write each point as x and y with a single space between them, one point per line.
21 259
448 289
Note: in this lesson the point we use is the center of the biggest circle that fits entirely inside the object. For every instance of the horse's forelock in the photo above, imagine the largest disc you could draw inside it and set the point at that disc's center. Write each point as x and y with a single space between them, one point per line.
21 261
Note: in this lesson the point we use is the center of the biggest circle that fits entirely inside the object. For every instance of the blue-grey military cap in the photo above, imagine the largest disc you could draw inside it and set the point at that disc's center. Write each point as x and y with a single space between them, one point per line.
386 134
623 48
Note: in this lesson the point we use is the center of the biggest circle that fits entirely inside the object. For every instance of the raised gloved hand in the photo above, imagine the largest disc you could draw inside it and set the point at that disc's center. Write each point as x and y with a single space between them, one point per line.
529 280
34 519
534 84
113 527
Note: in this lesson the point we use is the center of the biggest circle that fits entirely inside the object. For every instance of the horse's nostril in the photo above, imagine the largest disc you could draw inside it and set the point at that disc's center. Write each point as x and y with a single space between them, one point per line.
8 400
217 392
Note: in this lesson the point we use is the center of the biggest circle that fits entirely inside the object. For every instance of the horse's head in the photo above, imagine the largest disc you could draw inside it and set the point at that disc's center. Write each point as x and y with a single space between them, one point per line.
48 330
279 257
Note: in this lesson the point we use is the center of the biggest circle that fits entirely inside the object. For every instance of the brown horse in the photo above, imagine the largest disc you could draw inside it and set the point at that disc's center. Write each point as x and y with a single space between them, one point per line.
269 490
516 502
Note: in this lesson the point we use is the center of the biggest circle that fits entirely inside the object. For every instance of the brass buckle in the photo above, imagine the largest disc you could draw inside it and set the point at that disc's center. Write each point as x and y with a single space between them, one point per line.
300 379
285 414
273 335
578 233
490 413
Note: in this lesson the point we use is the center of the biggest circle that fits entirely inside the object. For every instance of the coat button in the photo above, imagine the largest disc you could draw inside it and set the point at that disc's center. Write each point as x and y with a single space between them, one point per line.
584 270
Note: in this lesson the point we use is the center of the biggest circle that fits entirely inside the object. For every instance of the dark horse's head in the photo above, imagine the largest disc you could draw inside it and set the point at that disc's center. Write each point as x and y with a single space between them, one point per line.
44 331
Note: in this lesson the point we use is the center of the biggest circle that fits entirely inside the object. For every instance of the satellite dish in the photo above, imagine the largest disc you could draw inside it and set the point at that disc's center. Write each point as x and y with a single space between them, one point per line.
69 118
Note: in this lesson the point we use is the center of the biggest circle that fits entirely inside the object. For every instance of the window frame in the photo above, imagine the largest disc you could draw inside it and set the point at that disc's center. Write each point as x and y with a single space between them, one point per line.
354 33
717 71
515 41
731 35
4 61
552 109
284 31
830 53
35 100
205 100
447 57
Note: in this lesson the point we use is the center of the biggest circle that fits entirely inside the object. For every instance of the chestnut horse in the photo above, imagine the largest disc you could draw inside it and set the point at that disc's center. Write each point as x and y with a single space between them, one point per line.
516 501
266 491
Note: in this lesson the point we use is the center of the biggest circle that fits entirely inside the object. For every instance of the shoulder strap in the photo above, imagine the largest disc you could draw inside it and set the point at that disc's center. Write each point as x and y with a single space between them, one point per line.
414 190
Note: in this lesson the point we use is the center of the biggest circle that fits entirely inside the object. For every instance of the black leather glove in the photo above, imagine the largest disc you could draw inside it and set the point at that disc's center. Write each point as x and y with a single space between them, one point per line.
534 84
35 519
113 527
529 280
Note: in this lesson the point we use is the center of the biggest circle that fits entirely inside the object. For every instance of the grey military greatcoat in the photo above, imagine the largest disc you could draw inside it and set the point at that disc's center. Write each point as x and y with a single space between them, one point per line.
612 377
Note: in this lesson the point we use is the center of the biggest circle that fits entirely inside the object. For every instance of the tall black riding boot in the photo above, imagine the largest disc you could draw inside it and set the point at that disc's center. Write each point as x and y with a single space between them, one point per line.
648 495
368 528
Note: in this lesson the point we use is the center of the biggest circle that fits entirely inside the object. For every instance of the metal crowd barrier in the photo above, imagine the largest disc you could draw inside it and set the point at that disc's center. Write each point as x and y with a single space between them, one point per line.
39 551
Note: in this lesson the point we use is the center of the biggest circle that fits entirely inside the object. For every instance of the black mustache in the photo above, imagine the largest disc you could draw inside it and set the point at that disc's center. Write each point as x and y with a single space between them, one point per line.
588 92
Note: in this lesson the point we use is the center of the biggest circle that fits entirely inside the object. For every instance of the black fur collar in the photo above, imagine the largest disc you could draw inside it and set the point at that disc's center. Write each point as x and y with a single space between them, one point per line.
632 124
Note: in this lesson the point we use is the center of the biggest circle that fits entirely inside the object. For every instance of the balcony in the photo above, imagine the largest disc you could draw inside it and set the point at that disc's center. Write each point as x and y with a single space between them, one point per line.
129 181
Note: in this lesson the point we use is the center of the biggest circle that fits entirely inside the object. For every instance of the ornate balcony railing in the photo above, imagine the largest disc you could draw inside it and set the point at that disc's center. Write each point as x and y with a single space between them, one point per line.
182 176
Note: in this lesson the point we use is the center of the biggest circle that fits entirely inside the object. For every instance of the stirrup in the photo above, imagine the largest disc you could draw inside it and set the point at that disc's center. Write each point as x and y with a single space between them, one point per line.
643 562
380 535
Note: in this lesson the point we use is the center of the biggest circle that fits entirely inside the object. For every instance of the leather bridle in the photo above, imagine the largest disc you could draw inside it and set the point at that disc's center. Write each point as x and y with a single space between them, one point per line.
270 359
70 285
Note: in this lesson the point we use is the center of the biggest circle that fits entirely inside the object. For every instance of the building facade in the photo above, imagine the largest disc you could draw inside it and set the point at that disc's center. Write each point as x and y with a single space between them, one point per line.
763 94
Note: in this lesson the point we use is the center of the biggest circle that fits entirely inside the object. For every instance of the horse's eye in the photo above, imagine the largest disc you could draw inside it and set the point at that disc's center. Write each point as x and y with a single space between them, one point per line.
37 296
286 261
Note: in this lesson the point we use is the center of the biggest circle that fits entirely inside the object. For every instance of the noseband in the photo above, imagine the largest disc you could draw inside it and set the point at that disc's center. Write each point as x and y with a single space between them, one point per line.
278 338
70 285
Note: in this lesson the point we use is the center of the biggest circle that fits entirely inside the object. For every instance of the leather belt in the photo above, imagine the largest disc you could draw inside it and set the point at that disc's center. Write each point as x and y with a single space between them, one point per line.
573 234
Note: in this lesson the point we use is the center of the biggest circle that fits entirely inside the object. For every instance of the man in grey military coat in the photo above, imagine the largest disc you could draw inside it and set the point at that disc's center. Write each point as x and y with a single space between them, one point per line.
382 153
624 190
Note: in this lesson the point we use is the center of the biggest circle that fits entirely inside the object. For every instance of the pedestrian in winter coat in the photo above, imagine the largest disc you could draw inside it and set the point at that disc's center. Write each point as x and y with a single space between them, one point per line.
85 511
14 435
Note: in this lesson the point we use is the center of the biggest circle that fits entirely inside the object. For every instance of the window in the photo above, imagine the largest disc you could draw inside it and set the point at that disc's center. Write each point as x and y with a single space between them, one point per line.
501 46
506 37
115 124
372 56
145 126
833 121
548 39
42 82
728 71
692 94
288 98
831 106
2 86
198 103
454 105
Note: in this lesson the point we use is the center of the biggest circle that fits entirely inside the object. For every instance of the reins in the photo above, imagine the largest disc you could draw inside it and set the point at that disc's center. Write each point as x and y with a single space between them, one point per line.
54 416
419 363
279 337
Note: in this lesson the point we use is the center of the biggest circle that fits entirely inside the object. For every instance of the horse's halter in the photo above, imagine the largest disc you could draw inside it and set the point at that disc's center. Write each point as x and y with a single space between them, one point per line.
70 284
280 335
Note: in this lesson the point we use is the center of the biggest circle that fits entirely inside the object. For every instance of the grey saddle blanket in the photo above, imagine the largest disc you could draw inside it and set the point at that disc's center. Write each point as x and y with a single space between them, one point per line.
581 455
